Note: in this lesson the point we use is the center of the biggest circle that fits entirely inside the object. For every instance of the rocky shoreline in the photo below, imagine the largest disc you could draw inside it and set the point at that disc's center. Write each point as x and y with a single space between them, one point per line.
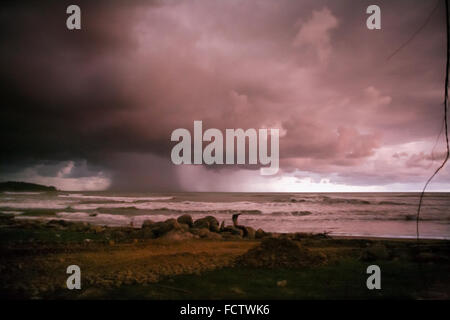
182 228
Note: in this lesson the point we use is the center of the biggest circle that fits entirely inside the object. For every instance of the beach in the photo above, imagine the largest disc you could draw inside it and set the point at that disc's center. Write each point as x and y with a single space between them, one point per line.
199 260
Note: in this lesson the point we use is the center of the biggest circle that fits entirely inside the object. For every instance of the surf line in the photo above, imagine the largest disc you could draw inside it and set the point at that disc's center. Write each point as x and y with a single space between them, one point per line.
213 153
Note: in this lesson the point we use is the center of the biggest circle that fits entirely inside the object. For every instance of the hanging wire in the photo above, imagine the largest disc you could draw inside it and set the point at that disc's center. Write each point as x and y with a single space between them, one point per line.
445 122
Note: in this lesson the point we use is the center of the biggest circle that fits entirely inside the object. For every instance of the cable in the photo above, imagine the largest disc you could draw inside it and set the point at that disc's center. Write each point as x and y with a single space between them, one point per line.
445 121
415 33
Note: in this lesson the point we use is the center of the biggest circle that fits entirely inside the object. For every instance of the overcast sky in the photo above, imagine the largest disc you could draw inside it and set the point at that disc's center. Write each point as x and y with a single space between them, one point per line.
94 108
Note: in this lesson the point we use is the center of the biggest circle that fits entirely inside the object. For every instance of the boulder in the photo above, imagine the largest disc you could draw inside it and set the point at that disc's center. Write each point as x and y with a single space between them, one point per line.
211 219
184 227
173 223
186 219
250 233
213 223
233 230
147 233
213 235
214 228
161 228
260 233
201 232
201 224
208 222
147 223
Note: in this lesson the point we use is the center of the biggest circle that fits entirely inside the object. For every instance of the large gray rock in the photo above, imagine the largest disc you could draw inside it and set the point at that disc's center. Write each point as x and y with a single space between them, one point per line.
208 222
147 223
161 228
251 233
213 236
184 227
201 232
205 234
201 224
233 230
213 223
147 233
260 233
186 219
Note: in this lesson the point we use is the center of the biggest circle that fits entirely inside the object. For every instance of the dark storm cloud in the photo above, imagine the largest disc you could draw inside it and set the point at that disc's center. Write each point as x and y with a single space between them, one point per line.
110 94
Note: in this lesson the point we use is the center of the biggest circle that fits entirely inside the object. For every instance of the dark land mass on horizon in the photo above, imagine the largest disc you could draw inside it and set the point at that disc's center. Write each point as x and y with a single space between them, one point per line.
24 186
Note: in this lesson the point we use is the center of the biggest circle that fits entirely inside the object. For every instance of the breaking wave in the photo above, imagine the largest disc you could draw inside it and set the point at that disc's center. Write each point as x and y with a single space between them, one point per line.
113 198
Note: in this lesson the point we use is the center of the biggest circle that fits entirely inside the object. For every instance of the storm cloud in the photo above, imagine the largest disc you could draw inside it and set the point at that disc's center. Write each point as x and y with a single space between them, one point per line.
101 102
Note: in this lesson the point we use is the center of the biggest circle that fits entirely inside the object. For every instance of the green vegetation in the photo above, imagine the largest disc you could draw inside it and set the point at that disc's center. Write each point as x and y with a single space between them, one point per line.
344 280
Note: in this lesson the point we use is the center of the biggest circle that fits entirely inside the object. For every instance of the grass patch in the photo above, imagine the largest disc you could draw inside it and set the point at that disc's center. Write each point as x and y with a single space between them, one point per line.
346 280
45 235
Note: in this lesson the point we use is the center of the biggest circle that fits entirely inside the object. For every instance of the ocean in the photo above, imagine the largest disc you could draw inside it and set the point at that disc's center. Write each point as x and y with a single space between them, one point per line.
342 214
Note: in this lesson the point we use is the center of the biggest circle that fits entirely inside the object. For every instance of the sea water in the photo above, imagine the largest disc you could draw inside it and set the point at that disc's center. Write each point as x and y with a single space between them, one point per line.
352 214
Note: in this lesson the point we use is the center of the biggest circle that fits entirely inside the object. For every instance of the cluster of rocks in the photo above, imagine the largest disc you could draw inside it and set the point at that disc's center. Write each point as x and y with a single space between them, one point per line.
182 228
208 228
280 253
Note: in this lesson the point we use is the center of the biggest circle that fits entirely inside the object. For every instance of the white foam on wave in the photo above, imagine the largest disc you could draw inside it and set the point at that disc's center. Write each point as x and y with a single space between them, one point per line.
21 193
37 204
118 220
112 198
193 206
12 212
73 215
102 219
